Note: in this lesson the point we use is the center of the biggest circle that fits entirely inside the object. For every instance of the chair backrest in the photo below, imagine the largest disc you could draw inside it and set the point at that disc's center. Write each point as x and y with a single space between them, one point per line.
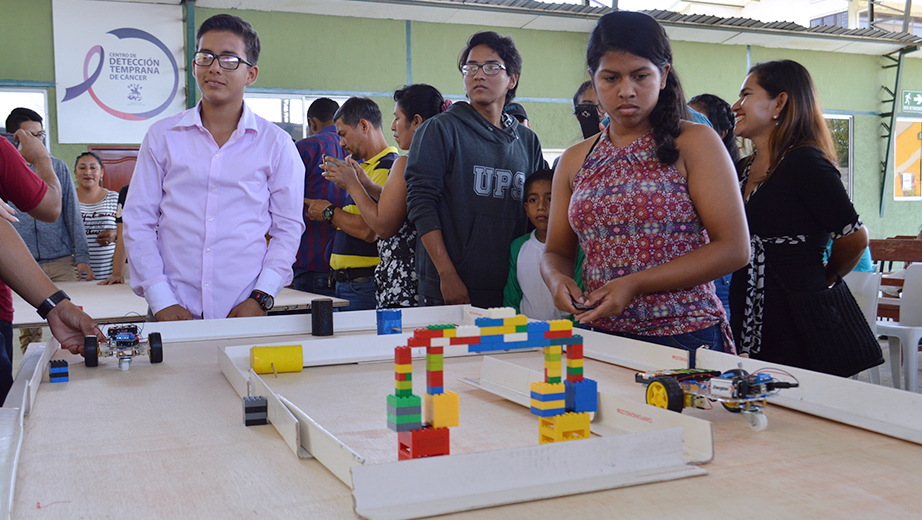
911 300
865 287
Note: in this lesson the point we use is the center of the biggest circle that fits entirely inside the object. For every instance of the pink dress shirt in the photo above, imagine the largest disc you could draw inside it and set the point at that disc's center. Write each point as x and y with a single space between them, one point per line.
196 216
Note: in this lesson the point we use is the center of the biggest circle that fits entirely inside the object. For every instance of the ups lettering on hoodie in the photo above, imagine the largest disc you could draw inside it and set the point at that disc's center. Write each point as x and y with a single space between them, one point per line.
489 181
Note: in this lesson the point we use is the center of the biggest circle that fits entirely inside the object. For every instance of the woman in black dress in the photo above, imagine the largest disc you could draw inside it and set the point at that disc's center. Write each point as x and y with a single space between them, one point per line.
795 202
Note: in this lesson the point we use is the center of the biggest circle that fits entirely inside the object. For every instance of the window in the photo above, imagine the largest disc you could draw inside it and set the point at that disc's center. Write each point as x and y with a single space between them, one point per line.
289 112
843 135
832 20
35 99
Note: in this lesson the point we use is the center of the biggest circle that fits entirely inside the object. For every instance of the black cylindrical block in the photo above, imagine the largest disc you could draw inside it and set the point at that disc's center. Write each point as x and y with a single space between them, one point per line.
322 317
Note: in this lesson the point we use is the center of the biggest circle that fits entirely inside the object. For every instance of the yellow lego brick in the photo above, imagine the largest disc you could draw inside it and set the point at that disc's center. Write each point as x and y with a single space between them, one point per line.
561 324
449 333
553 372
286 358
403 369
547 388
492 331
519 319
548 405
442 410
403 385
566 427
553 349
575 363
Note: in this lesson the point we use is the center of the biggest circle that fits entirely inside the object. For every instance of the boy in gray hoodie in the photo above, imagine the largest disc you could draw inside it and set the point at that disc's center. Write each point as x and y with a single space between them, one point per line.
465 176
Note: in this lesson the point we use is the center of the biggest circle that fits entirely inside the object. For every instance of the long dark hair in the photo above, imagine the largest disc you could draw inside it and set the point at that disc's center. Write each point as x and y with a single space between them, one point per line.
639 34
800 122
722 119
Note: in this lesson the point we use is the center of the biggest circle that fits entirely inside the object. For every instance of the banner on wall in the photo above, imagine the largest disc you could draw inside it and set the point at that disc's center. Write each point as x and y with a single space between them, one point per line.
118 68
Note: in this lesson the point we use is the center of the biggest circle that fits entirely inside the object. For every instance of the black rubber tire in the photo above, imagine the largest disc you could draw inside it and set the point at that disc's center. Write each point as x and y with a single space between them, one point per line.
91 351
156 347
675 397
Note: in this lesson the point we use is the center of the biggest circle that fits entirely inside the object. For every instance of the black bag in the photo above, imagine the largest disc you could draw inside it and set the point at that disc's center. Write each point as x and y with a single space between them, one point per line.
831 322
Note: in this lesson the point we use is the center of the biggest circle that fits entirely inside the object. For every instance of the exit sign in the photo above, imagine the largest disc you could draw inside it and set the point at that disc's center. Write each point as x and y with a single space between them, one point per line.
912 100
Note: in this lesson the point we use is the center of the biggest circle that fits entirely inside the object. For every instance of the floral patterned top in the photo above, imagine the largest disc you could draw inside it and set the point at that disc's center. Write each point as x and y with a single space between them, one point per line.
396 282
632 212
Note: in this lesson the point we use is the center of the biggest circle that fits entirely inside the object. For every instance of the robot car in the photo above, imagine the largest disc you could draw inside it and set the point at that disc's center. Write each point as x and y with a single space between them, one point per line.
737 390
124 342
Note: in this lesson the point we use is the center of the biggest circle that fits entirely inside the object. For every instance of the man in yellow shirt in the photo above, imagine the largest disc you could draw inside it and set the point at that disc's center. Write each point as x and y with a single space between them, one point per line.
355 252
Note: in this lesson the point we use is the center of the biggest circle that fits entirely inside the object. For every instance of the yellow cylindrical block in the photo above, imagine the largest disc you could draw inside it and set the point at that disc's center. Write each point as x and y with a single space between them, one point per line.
286 358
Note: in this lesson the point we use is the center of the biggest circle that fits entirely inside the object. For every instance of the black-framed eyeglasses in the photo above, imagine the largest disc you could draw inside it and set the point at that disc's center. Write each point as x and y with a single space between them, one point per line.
490 69
40 135
225 61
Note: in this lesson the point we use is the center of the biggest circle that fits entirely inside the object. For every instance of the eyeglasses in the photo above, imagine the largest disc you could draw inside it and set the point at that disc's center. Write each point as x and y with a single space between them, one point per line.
490 69
225 61
40 135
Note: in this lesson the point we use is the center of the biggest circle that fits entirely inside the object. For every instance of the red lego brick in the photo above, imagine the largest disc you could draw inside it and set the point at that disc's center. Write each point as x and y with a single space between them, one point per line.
418 342
575 351
402 377
574 378
425 442
435 378
429 333
435 350
551 334
403 355
466 340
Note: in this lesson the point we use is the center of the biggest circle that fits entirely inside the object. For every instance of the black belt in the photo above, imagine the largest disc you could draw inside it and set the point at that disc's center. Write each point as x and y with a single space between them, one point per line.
352 274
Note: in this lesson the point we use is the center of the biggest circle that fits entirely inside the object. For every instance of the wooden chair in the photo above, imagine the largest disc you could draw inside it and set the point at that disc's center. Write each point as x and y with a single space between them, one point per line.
888 251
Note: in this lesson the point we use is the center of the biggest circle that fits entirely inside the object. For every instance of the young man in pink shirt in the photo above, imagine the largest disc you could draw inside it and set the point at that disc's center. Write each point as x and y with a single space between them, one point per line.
209 185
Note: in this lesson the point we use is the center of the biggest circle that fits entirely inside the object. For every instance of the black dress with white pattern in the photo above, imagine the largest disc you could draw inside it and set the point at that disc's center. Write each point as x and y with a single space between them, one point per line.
793 214
396 283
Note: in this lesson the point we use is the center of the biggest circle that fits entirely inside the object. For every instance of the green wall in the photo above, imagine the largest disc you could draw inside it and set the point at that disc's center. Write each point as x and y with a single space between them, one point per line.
311 52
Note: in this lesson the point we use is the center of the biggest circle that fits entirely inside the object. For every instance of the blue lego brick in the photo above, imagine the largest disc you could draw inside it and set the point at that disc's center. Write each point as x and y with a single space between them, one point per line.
59 379
54 371
582 396
574 340
531 343
548 397
389 321
538 326
547 413
435 390
489 322
495 338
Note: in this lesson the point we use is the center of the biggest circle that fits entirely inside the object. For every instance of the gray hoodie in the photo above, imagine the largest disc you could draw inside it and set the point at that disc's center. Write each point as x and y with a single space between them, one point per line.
466 177
65 237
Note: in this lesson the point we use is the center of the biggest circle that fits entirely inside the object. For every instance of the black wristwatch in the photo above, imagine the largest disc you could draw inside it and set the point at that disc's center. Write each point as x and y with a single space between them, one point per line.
51 303
328 214
265 301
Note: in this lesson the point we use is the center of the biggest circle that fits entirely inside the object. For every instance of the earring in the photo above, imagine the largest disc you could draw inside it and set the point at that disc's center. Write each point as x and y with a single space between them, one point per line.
775 116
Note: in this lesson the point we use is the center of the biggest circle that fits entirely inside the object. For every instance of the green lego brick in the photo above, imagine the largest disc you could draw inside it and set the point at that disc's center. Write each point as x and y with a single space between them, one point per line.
553 357
404 401
441 326
575 371
553 380
403 392
521 328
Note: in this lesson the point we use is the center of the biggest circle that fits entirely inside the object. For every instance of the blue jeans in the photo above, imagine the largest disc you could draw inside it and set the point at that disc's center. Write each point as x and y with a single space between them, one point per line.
313 282
361 295
710 338
722 290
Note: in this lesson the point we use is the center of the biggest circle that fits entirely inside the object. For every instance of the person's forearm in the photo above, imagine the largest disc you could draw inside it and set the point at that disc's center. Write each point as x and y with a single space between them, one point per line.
353 225
372 188
45 171
846 253
435 247
121 256
19 270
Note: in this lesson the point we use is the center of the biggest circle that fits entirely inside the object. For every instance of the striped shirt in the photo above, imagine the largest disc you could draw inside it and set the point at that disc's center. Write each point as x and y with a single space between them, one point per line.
97 217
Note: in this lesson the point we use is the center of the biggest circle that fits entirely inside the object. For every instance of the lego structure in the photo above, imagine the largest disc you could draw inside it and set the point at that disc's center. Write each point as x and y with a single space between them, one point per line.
57 371
563 406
